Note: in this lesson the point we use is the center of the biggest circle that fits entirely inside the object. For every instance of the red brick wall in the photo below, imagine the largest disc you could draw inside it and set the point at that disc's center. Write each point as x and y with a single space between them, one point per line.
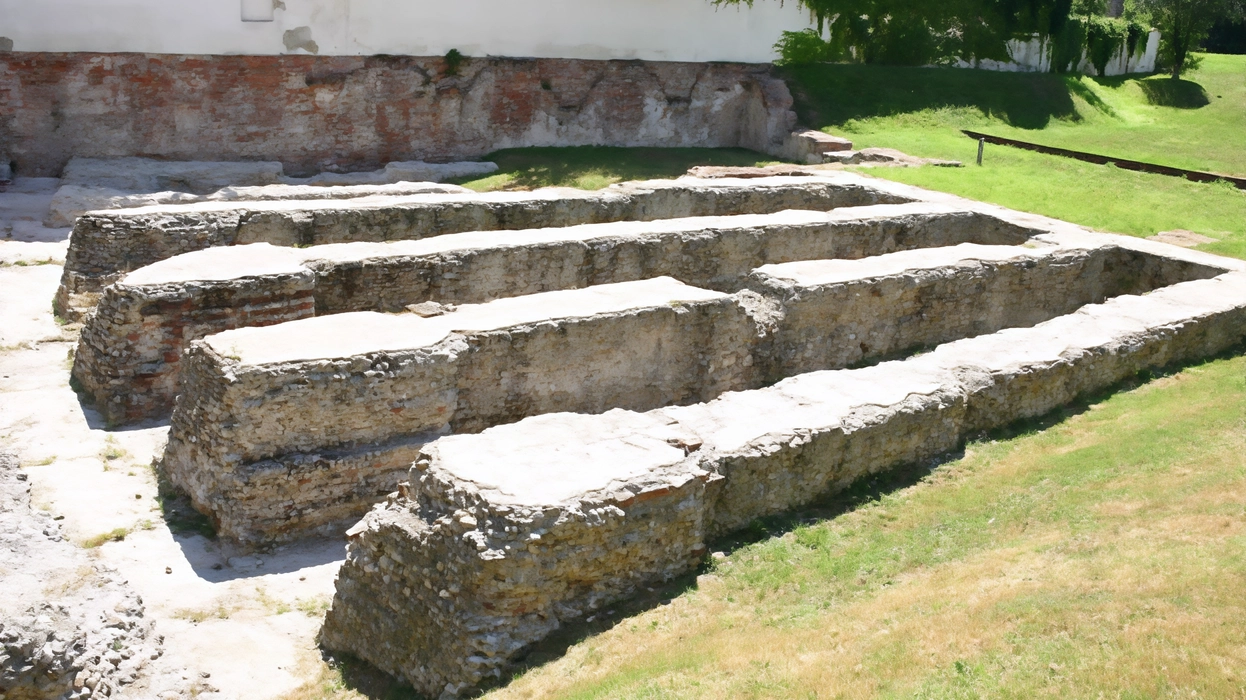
349 113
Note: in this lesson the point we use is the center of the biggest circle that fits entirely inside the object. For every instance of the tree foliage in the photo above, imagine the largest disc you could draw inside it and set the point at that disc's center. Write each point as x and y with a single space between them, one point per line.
1184 24
916 32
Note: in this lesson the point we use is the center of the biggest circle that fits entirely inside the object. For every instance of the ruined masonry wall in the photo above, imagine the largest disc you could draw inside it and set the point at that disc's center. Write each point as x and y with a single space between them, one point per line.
105 245
411 564
687 347
130 349
357 113
937 296
262 445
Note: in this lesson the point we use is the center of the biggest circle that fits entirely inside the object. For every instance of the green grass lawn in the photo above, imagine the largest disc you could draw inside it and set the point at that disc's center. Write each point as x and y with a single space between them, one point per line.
1198 123
595 167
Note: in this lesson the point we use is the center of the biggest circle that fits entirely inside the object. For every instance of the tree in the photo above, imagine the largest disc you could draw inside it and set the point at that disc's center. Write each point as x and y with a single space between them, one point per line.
916 32
1184 24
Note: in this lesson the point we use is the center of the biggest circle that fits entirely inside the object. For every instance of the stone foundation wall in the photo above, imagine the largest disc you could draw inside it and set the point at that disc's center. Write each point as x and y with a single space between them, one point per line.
473 582
105 245
129 350
128 355
341 113
440 554
637 345
258 408
840 313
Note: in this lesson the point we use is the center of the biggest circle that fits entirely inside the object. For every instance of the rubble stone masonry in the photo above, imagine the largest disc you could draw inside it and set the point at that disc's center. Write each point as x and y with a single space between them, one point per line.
287 428
499 538
341 113
130 348
105 245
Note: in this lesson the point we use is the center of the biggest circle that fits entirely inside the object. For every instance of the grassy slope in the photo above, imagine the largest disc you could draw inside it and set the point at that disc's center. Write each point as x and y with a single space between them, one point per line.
1102 557
922 110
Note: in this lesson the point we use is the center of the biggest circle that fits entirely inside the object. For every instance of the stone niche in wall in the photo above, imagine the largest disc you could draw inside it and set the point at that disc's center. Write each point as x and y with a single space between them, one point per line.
339 113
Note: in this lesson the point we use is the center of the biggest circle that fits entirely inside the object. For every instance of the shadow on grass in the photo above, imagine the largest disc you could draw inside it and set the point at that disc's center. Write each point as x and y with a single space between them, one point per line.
1025 100
530 168
1182 94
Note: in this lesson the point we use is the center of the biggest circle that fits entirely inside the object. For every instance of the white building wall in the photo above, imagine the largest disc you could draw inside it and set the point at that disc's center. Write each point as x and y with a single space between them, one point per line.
1034 56
660 30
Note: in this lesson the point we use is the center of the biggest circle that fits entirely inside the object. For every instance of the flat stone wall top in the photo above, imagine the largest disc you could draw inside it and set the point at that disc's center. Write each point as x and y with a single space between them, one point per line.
813 273
363 333
220 265
250 260
545 194
589 454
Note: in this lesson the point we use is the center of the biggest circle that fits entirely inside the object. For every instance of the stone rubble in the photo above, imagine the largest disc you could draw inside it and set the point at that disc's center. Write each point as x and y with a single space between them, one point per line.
86 636
499 538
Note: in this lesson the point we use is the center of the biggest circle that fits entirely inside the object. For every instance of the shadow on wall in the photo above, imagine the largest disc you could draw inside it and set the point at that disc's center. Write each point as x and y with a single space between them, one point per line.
1023 100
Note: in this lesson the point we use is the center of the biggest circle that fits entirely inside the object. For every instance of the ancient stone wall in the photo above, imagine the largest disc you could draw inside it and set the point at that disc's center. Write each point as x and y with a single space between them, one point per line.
339 113
839 313
261 399
482 551
104 245
363 386
129 351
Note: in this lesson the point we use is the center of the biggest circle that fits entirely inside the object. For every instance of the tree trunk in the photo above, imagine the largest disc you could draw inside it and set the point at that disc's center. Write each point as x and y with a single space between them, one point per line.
1179 41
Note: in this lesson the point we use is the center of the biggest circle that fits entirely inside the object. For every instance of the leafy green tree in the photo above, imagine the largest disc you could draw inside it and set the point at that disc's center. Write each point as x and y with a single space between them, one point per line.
914 32
1184 24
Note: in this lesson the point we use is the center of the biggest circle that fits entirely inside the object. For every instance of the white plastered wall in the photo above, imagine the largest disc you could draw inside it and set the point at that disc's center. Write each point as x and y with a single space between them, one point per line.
1035 56
667 30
